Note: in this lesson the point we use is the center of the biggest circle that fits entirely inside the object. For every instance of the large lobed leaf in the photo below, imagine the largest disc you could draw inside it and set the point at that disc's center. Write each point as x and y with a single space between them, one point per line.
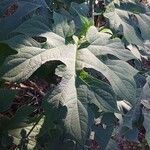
131 19
114 70
74 92
31 56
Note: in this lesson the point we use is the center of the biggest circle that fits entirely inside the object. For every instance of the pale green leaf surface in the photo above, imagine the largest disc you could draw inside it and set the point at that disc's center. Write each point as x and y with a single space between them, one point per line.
101 94
71 92
115 71
31 56
119 20
75 95
76 120
102 44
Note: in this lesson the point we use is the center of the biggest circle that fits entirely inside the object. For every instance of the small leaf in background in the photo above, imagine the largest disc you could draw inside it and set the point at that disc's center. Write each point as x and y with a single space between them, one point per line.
133 117
100 94
63 26
6 98
134 51
131 134
112 145
103 134
145 100
145 95
21 116
148 136
146 124
10 23
143 23
85 25
5 51
119 19
78 10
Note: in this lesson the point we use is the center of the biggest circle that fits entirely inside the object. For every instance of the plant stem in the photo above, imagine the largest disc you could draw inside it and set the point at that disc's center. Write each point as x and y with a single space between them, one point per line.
38 119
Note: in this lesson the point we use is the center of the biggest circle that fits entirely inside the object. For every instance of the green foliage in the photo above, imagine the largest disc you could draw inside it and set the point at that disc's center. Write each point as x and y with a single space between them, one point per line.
6 98
145 98
42 32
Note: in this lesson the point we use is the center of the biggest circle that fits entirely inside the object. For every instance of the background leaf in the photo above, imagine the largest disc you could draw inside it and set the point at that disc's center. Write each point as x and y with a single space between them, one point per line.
6 98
